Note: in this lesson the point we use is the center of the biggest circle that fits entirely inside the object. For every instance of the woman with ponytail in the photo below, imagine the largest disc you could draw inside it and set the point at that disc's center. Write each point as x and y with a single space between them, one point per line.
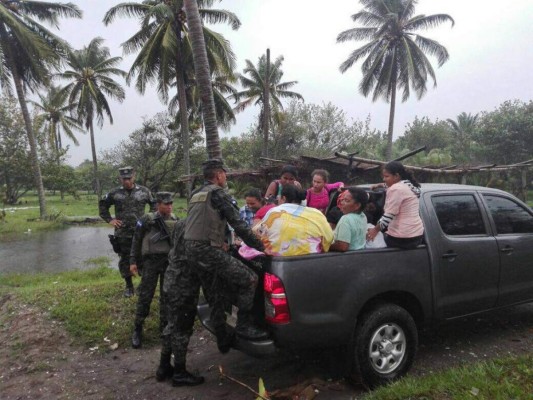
401 220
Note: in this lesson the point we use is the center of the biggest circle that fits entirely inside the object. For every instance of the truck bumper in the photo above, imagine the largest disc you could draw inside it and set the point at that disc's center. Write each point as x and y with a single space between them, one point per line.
262 348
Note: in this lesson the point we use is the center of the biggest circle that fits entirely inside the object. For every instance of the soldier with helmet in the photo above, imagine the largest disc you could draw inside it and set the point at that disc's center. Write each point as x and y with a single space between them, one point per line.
210 210
130 201
151 244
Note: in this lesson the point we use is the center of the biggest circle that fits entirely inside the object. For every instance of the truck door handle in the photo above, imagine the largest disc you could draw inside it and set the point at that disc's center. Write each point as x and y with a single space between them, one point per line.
507 249
450 254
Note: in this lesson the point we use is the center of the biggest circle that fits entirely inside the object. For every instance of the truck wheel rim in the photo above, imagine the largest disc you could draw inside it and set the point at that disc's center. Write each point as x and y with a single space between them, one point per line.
387 348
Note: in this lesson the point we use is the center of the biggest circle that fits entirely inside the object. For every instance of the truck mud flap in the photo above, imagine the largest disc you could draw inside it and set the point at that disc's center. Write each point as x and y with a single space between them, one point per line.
262 348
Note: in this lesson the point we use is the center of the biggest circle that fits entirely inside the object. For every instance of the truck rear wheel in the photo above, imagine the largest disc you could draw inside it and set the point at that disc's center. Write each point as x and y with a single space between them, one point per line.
385 344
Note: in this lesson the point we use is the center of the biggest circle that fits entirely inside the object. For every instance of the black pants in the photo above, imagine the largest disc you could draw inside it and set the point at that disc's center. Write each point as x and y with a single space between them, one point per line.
403 243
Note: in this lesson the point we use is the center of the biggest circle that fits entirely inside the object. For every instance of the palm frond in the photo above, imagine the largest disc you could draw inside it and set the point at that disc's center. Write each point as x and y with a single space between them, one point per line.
426 22
130 9
220 16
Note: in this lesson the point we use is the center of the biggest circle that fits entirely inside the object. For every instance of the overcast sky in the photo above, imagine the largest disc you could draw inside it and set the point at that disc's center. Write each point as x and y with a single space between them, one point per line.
490 48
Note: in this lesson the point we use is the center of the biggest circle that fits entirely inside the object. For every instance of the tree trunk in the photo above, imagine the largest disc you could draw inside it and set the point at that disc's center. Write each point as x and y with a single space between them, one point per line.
388 151
38 179
95 162
184 119
266 105
203 78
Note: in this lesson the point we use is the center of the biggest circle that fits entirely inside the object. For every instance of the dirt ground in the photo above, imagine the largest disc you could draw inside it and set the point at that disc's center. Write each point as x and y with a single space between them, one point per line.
39 361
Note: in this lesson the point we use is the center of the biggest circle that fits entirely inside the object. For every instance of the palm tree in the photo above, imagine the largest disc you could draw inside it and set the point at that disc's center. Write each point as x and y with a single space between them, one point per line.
203 76
222 87
54 114
254 89
463 130
28 52
91 84
165 49
395 56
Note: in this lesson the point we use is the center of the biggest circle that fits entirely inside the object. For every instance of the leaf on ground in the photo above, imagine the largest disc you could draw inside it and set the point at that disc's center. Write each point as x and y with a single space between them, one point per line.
262 391
474 391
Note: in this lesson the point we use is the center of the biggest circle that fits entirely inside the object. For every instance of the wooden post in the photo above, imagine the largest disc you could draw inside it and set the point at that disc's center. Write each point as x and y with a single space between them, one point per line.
523 186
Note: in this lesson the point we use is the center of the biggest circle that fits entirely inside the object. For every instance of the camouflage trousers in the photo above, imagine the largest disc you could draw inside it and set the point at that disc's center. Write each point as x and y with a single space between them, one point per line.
124 260
181 290
154 267
225 279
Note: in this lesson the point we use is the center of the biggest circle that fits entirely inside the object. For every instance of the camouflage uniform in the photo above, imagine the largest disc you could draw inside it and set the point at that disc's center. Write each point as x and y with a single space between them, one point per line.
215 267
129 206
181 290
153 243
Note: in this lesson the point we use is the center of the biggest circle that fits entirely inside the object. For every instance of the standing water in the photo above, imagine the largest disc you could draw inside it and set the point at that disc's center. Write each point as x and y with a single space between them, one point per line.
57 251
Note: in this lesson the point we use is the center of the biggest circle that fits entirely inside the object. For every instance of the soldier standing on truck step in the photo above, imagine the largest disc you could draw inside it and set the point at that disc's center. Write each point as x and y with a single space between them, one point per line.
210 209
130 201
152 241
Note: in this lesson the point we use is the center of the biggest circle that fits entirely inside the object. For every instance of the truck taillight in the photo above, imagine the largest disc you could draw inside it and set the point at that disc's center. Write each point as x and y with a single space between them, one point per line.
276 306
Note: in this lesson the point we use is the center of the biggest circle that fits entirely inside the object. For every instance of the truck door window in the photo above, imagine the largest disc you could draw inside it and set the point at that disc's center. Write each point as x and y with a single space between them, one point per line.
509 217
458 215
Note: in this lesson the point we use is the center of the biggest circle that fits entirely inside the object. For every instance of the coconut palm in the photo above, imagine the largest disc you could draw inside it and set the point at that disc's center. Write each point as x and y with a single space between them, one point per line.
164 48
254 89
463 130
395 56
222 87
54 113
29 51
90 85
203 76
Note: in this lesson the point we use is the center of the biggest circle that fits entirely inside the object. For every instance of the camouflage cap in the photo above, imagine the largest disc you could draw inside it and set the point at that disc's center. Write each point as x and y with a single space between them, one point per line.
213 163
126 172
164 197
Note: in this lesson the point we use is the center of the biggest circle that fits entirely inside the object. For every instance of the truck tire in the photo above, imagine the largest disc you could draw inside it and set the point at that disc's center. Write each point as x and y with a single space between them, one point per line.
385 344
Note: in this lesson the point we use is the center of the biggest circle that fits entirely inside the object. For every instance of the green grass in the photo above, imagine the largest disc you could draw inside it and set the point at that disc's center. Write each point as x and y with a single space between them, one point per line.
22 220
89 303
91 307
509 378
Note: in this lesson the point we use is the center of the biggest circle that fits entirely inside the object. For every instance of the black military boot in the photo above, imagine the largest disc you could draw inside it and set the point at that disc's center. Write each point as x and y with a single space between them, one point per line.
246 328
129 291
136 338
182 377
224 339
165 370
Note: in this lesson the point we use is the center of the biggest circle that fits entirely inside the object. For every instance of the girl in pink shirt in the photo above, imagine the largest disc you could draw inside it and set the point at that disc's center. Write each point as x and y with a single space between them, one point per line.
401 219
318 195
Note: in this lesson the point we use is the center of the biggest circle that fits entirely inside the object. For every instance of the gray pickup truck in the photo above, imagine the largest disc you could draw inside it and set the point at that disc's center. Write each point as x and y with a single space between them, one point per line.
477 256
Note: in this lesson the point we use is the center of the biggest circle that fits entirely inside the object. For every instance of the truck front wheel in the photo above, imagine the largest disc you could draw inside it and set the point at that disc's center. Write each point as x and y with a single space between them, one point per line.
385 344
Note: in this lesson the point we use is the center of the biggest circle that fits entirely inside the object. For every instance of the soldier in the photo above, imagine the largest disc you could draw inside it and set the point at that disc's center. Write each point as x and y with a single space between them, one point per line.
152 240
130 201
180 290
210 209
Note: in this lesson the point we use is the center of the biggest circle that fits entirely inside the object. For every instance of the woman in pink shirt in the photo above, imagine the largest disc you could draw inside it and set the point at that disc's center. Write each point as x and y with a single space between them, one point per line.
401 218
318 195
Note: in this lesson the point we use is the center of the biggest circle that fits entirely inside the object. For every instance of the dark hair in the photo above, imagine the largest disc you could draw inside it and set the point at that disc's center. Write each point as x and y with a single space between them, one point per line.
360 196
290 169
253 192
396 167
210 173
321 172
292 194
